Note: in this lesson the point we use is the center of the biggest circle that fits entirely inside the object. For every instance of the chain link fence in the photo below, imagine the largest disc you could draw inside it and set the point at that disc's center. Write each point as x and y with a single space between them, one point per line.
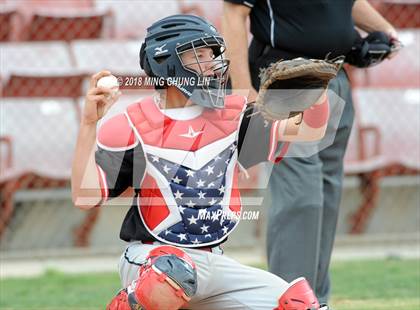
48 51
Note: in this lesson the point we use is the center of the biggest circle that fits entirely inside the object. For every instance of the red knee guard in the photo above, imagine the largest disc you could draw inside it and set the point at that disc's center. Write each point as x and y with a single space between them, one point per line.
167 280
119 302
299 296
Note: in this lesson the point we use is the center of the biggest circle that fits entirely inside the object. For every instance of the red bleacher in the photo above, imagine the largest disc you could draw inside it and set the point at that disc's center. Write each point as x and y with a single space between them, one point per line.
67 27
6 24
42 82
401 13
385 139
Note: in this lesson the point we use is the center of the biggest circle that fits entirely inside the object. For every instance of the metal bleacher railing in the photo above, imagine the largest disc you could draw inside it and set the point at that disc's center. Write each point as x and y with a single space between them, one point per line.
41 90
48 52
385 140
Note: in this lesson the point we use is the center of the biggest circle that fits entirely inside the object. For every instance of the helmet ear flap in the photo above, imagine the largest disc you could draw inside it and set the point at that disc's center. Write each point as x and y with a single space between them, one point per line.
144 62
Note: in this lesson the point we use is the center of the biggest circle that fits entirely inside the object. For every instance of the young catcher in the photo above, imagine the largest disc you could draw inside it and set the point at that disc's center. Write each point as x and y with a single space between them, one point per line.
180 152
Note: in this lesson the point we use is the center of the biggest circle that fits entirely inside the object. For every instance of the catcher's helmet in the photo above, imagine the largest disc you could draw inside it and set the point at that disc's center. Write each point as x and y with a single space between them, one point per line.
160 56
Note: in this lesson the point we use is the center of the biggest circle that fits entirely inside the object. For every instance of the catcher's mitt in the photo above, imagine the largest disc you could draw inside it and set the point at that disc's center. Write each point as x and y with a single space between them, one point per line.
292 86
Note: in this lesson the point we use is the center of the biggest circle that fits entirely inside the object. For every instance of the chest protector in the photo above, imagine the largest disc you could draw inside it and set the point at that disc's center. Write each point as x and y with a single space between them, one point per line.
189 193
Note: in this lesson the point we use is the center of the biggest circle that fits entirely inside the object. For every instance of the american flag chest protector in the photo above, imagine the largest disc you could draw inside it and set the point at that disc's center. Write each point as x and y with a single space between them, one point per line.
189 193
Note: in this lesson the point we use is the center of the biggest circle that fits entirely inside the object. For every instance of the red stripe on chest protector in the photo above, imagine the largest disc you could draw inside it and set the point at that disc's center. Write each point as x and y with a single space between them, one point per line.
235 196
152 205
156 129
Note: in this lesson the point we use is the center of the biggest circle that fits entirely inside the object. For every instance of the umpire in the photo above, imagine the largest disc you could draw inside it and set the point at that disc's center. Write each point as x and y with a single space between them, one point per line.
305 192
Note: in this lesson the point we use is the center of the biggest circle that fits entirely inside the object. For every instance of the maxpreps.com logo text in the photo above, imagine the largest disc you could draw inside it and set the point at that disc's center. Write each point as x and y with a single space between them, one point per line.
220 215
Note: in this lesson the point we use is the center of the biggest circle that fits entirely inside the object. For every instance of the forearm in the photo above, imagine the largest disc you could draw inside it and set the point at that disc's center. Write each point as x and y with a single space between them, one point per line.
86 192
311 126
368 19
234 29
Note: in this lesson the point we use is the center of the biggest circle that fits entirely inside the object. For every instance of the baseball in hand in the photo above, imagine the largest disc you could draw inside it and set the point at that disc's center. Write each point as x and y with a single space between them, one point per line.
108 81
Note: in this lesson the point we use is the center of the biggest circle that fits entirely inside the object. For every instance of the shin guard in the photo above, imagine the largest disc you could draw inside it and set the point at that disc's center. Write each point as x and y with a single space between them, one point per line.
299 296
167 280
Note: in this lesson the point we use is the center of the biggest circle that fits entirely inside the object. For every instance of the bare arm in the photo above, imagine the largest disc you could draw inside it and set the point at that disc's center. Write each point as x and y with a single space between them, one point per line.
368 19
234 29
84 177
86 192
311 127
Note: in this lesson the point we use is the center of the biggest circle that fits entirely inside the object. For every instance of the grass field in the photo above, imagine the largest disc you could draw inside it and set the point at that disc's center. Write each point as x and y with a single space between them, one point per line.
358 285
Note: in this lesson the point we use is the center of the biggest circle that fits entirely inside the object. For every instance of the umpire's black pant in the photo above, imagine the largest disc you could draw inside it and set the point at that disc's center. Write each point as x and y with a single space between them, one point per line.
306 194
